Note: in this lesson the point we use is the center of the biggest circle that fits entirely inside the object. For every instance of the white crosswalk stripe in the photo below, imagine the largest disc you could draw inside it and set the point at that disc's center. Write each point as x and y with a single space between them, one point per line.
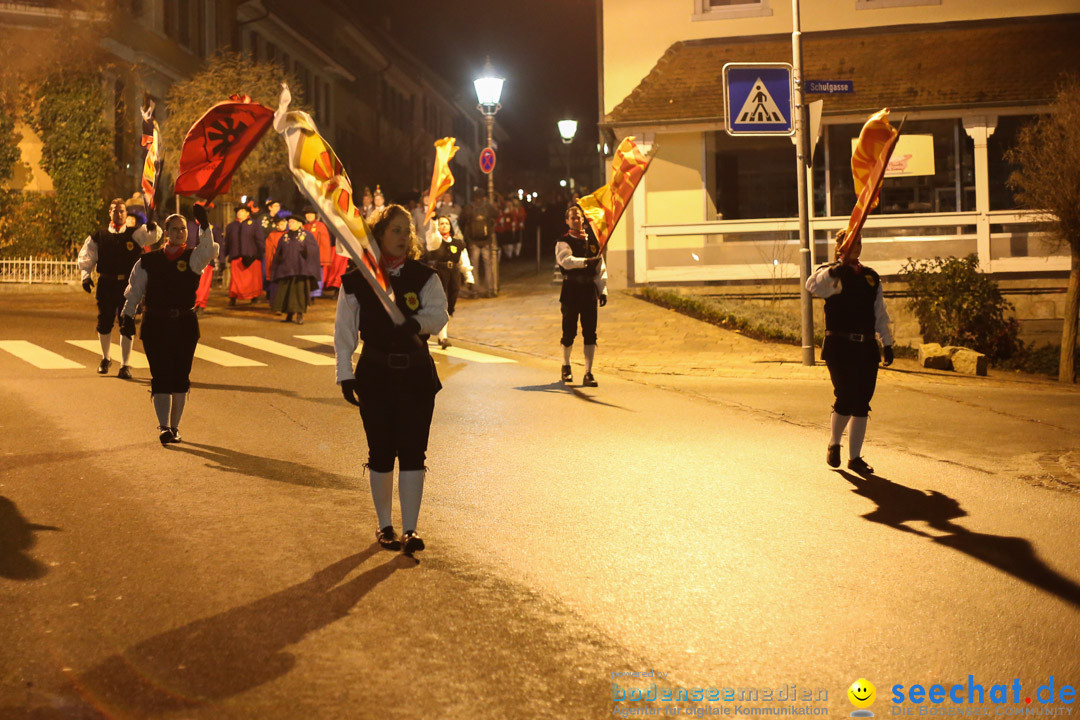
223 358
454 352
281 349
137 360
38 356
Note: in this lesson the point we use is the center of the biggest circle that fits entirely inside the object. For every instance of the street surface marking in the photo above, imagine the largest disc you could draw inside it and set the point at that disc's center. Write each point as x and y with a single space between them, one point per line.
38 356
286 351
138 360
223 358
326 340
454 352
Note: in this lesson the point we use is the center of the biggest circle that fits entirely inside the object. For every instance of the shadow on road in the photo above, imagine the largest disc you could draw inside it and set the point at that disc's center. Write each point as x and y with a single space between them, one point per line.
559 387
48 458
897 505
230 653
16 537
241 463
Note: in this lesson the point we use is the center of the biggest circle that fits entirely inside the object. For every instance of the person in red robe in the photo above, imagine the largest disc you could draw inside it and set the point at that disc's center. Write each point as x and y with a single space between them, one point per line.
244 248
314 227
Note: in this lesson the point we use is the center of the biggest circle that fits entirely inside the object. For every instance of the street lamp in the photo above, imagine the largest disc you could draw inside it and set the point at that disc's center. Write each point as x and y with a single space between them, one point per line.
488 91
567 130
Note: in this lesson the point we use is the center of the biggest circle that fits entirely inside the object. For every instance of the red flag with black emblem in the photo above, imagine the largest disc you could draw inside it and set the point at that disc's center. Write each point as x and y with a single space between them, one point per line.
217 143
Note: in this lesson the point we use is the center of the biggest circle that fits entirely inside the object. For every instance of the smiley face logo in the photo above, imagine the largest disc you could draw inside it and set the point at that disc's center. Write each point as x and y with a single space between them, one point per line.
412 301
862 694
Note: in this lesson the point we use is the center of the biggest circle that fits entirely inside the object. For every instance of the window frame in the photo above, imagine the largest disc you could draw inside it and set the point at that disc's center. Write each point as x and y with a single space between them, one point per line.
745 9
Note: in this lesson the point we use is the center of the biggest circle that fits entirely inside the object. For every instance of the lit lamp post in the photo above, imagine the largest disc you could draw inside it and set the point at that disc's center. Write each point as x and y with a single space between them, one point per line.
488 90
567 130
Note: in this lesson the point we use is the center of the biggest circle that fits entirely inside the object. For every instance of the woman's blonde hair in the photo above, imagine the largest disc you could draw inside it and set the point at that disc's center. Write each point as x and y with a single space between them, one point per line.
382 218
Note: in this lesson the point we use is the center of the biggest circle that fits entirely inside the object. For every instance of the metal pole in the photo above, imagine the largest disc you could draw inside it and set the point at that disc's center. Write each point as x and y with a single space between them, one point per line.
537 249
490 120
803 160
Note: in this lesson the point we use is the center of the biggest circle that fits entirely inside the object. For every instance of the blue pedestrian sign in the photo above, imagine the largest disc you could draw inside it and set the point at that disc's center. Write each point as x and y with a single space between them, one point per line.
758 99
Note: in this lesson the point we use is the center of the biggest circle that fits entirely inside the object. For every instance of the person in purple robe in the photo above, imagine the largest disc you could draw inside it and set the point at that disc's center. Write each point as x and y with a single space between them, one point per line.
295 268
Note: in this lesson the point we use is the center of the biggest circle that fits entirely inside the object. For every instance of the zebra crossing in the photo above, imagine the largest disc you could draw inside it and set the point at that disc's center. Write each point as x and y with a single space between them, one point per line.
45 359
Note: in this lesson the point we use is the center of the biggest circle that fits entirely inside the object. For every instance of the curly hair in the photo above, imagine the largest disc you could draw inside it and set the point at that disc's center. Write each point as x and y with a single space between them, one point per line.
382 218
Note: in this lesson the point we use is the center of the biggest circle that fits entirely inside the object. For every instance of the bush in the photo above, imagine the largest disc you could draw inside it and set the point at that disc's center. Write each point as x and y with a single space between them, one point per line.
956 304
28 226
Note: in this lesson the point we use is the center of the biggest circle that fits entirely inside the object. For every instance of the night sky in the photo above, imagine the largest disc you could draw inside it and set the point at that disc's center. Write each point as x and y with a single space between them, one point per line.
546 50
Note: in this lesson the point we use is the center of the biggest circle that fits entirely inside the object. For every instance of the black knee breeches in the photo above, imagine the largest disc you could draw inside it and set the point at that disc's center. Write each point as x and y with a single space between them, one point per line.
110 302
396 408
169 344
853 369
578 301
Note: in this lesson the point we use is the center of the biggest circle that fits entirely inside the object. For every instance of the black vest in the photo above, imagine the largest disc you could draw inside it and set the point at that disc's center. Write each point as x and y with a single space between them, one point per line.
852 309
117 253
376 328
171 285
580 247
448 251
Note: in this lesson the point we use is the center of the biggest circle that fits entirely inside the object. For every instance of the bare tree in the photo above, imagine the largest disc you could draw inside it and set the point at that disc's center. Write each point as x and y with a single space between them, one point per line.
1048 179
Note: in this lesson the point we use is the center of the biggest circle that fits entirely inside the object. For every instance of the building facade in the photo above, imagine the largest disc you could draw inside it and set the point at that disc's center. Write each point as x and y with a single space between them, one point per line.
963 76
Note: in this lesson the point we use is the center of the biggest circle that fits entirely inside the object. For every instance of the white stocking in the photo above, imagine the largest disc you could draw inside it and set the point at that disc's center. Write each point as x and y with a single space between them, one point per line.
590 353
106 344
839 422
178 402
125 349
410 492
856 434
162 401
382 495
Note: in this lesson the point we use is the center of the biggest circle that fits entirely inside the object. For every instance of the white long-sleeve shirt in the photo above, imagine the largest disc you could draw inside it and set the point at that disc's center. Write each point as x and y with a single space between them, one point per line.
564 256
88 254
203 254
823 285
434 239
432 317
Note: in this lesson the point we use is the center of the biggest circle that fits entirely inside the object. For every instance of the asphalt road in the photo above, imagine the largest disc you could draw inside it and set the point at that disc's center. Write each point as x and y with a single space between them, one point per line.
572 534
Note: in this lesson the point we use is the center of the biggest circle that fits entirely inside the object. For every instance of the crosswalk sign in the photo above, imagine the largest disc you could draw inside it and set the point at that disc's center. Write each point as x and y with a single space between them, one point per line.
758 99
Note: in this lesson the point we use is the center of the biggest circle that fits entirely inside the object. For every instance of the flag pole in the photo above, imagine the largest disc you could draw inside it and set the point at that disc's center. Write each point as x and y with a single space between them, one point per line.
803 162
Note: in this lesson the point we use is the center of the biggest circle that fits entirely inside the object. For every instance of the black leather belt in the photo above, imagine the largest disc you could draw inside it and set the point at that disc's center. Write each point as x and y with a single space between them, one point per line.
446 263
394 361
169 312
853 337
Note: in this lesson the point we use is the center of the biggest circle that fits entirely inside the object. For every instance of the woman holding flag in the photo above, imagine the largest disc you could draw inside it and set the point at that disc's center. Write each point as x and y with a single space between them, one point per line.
854 311
394 382
169 278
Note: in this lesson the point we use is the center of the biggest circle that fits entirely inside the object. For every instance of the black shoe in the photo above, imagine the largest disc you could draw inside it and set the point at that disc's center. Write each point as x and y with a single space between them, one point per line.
588 380
175 434
288 318
125 373
387 538
859 466
232 302
411 542
444 343
103 366
832 456
567 376
165 436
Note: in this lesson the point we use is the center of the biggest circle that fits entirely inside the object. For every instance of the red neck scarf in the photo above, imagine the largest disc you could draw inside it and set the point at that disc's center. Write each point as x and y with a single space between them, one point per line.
174 251
392 263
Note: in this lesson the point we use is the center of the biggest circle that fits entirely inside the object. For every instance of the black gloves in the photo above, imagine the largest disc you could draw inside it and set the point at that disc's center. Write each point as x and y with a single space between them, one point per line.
592 262
348 391
603 300
151 227
407 330
834 270
888 356
87 284
199 211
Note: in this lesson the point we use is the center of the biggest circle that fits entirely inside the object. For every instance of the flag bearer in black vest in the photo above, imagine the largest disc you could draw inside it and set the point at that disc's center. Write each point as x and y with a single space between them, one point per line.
114 250
395 382
584 284
446 252
854 311
169 279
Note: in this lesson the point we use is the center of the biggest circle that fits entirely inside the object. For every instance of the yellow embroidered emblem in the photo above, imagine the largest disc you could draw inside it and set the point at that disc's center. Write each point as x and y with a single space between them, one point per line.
181 266
130 245
453 248
870 280
412 301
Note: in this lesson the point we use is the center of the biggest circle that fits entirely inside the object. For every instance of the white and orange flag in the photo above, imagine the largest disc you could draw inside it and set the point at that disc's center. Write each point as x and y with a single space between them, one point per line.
323 181
605 206
441 177
868 164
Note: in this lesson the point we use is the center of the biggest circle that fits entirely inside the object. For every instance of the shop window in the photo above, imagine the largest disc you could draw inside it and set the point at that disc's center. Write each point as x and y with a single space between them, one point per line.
937 170
728 9
751 177
999 169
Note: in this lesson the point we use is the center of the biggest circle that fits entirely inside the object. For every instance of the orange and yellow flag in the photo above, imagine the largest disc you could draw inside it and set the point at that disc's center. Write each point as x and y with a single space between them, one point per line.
868 163
441 177
605 206
322 179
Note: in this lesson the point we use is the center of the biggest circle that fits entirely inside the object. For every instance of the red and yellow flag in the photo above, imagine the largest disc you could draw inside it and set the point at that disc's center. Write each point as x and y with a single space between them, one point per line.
441 177
605 206
322 179
868 163
153 155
